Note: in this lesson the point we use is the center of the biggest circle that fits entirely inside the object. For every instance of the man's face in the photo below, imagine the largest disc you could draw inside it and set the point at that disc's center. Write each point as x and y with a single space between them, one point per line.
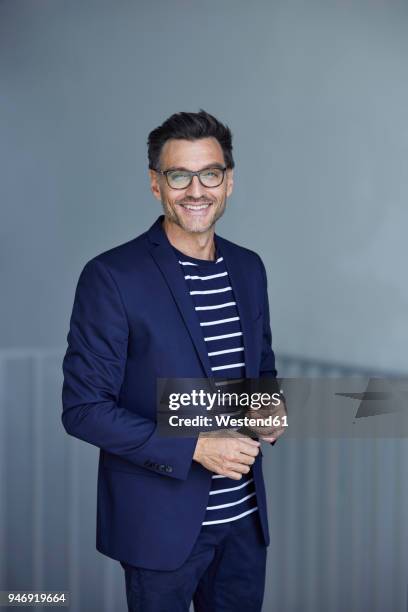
195 208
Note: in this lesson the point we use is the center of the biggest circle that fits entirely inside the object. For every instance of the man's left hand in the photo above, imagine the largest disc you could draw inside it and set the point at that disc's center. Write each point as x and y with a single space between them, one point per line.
272 438
269 434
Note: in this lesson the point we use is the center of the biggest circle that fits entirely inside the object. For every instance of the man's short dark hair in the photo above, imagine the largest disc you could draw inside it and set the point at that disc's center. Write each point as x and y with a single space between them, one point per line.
189 126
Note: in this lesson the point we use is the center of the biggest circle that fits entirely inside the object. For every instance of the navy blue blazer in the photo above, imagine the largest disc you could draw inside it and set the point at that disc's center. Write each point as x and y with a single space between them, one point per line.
133 322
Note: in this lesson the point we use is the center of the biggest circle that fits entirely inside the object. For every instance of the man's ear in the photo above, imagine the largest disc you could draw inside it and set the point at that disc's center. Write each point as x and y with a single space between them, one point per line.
230 181
154 184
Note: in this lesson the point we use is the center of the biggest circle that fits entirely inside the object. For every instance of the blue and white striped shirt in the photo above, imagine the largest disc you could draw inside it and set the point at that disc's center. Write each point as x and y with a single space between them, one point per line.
214 302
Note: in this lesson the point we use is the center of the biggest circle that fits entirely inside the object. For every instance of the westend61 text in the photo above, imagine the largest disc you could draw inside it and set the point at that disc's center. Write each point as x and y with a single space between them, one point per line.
228 421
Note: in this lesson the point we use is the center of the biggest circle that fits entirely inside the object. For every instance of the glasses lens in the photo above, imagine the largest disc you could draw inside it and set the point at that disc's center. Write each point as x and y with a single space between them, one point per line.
178 179
212 177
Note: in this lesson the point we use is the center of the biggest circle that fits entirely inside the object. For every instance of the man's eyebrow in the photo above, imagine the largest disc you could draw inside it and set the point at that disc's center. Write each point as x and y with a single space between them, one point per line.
207 167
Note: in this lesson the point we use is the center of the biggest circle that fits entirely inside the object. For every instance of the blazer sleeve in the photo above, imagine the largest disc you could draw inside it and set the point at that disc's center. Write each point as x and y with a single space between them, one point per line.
94 369
267 366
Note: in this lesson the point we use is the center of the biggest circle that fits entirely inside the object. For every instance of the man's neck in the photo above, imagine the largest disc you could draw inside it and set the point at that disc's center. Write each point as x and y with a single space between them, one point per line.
197 245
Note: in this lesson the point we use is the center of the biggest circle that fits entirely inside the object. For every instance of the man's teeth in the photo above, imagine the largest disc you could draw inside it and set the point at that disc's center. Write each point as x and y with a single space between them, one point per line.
195 206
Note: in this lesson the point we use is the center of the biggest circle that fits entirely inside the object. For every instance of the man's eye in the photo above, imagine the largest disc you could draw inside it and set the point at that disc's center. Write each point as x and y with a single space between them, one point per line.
178 176
210 173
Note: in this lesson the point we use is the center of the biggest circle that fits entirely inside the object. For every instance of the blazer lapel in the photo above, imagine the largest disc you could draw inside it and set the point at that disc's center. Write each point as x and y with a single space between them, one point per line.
166 260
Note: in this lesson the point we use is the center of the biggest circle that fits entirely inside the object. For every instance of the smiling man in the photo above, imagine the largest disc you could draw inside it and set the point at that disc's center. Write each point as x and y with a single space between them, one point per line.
192 207
186 517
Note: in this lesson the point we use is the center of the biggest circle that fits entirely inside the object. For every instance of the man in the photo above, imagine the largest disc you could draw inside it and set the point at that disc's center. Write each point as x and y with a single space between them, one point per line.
186 517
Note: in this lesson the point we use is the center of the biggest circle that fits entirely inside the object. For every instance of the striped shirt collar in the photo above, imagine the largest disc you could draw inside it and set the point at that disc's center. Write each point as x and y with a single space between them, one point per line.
182 257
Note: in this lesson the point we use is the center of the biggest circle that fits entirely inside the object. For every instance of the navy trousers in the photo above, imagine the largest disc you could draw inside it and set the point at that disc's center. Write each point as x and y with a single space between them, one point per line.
225 572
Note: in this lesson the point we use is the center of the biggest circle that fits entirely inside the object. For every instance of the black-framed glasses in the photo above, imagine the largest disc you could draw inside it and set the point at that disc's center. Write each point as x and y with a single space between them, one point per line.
181 179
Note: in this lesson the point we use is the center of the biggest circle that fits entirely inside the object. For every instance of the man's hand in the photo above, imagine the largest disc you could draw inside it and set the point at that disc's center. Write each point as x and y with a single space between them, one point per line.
272 438
269 434
226 453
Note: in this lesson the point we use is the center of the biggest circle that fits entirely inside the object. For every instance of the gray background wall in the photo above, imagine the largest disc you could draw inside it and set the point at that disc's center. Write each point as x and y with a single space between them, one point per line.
316 96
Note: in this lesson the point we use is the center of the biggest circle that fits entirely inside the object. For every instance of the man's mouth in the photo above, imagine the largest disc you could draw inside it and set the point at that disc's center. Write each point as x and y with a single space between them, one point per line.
196 207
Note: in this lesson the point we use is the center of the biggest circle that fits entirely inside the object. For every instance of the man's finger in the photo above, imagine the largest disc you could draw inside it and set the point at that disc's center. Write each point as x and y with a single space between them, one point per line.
273 437
233 475
249 441
249 450
247 459
241 468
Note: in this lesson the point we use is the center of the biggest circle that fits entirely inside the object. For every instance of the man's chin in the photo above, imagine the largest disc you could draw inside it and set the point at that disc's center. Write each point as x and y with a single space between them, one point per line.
196 226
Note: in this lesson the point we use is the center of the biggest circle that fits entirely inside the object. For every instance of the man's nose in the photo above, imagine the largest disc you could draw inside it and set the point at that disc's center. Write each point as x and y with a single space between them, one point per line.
195 189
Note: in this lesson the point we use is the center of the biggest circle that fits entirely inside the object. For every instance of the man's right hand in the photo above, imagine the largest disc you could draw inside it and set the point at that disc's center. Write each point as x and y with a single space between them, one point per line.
226 453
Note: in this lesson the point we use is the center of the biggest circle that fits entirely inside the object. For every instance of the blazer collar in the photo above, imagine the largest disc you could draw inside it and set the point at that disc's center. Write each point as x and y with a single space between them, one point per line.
166 259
